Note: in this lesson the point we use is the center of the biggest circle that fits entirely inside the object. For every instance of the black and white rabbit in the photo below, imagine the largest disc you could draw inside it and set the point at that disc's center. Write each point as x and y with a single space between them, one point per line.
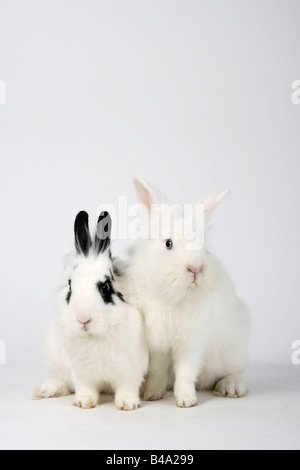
97 339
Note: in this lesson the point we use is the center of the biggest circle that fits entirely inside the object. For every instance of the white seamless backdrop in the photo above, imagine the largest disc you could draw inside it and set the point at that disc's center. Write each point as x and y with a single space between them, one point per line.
194 96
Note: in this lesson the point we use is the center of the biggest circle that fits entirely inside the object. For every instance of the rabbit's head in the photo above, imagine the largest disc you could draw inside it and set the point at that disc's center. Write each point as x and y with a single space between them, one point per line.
91 299
173 245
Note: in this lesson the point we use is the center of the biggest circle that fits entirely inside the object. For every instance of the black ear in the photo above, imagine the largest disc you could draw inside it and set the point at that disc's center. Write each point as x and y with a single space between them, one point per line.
83 241
103 233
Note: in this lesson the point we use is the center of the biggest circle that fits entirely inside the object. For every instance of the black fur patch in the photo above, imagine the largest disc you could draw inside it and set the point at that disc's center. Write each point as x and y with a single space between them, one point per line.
70 292
106 290
121 297
83 241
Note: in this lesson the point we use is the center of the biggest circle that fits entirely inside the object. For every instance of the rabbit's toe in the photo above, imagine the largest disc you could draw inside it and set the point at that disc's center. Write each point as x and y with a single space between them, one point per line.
232 386
85 402
127 402
154 393
186 401
52 388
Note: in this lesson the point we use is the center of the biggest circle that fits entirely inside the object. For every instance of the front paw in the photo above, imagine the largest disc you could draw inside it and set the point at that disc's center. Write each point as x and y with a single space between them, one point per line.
154 393
186 400
232 386
86 402
127 402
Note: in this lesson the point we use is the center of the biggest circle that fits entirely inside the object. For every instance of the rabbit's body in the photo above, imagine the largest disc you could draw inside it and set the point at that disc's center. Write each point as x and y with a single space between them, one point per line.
197 329
105 363
97 340
211 323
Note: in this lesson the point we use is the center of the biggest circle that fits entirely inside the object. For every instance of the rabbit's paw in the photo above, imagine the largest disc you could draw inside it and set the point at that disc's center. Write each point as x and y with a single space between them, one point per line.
127 401
154 391
186 400
52 388
86 402
232 386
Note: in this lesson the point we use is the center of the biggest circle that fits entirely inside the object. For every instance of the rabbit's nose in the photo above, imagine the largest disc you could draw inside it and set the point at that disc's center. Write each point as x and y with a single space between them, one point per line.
195 270
84 323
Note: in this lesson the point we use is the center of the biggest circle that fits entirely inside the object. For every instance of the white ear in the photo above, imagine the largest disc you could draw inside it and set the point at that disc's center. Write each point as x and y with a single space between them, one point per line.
211 202
147 194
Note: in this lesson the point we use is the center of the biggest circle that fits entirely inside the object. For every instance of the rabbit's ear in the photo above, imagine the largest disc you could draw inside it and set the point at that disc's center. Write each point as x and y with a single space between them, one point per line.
83 241
147 194
211 202
103 233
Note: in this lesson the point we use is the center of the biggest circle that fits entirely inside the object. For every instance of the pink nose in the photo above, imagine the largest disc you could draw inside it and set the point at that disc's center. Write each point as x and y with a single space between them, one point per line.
195 270
84 323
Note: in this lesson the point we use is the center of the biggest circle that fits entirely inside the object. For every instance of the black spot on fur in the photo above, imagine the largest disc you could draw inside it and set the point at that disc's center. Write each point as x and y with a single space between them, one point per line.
121 297
70 292
106 290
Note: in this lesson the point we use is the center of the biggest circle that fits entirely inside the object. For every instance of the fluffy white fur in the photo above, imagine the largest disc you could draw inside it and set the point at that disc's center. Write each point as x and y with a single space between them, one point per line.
108 353
197 329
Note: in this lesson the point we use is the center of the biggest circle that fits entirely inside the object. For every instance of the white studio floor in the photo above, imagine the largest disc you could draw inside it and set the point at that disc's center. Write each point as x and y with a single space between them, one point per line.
269 418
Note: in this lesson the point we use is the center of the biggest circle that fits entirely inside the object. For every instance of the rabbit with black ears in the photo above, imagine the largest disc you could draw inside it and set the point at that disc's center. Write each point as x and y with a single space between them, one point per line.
97 340
197 328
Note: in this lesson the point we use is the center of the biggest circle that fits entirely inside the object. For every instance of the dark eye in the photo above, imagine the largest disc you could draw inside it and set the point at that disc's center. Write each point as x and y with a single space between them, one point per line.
105 288
106 291
169 244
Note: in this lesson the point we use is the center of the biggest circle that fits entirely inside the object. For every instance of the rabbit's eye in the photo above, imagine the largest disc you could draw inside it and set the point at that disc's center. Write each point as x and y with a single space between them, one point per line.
105 287
169 244
106 291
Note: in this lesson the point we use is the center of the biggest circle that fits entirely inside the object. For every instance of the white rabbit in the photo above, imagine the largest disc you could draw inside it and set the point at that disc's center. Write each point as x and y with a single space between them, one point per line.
97 340
197 329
